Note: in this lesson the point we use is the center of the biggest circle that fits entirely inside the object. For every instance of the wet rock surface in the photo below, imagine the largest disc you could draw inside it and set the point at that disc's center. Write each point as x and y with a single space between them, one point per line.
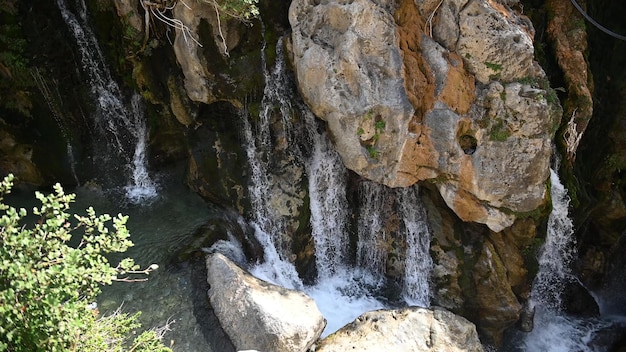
408 329
258 315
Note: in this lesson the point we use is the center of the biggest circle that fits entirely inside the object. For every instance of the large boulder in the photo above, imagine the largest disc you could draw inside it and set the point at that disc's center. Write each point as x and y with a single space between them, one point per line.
258 315
411 329
349 71
466 108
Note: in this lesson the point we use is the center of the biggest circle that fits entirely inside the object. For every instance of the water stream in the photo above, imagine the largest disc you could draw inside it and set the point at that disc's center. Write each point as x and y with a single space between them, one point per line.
342 290
418 262
162 226
120 133
371 249
554 330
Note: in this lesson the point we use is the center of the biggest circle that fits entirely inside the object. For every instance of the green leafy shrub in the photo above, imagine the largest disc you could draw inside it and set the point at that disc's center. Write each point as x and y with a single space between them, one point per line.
243 10
52 269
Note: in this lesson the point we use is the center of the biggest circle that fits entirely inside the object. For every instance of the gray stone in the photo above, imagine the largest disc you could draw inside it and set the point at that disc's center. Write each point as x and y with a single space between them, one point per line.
487 145
258 315
493 44
349 71
410 329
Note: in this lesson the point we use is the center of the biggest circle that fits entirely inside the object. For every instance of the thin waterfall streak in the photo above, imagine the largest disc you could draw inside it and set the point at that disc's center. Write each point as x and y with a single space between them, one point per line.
328 204
142 187
124 132
418 263
278 93
110 109
259 187
54 104
267 223
72 162
82 12
371 248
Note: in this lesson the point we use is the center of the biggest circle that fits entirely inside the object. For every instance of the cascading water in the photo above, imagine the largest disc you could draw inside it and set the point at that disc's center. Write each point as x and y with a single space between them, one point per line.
276 268
554 330
142 186
557 252
122 133
418 263
371 249
328 203
342 291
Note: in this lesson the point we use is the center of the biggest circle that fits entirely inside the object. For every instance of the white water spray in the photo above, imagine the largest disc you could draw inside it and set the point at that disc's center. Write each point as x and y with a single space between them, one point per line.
557 252
418 263
372 247
124 132
142 188
553 330
329 207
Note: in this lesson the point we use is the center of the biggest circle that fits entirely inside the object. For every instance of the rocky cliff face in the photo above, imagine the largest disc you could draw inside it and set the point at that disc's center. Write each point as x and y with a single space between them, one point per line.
444 93
447 93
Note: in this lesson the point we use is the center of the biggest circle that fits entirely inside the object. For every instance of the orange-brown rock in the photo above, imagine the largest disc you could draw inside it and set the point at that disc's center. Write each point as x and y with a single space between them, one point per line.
566 31
440 108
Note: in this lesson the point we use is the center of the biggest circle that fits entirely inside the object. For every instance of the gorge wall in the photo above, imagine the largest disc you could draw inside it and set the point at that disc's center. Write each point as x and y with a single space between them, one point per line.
447 94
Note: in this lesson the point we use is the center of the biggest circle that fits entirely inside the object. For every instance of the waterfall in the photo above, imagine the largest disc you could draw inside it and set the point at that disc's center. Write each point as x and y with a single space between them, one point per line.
328 204
141 187
121 132
266 221
372 246
418 263
276 268
342 291
554 330
557 252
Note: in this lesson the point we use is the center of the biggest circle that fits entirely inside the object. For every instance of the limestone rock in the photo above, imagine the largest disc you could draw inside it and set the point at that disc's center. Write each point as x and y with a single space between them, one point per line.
446 273
511 258
189 55
200 81
16 159
127 11
402 107
258 315
567 33
507 163
498 306
350 73
493 44
411 329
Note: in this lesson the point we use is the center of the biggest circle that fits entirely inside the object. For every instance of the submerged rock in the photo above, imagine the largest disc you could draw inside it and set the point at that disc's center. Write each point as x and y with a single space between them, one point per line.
408 329
258 315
